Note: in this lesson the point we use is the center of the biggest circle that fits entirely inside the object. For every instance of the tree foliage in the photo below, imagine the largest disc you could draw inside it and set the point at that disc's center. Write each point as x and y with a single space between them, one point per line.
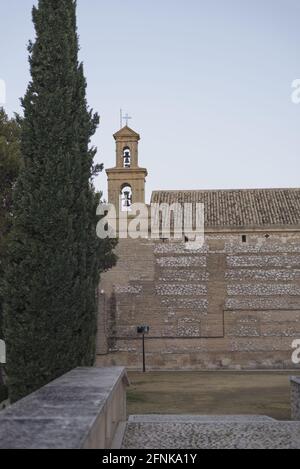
10 162
54 255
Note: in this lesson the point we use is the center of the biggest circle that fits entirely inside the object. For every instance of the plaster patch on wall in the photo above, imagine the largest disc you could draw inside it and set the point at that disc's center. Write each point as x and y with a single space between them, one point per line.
259 303
188 303
176 248
182 275
180 289
263 289
243 330
264 261
181 261
257 274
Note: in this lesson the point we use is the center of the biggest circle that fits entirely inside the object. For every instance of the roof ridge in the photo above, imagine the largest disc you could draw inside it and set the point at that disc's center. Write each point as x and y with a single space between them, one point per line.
229 190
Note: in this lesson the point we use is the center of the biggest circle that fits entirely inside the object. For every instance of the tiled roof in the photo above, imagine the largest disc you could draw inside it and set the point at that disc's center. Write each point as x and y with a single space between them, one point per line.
240 208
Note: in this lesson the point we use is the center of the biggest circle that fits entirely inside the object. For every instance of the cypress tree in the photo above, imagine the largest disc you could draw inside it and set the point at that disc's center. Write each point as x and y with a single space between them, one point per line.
54 255
10 163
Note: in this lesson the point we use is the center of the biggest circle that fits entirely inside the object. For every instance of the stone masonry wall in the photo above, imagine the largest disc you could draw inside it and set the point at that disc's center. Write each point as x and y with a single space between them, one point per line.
227 305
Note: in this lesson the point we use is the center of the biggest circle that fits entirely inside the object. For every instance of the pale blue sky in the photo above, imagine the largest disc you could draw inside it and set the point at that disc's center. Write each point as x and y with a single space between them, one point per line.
207 82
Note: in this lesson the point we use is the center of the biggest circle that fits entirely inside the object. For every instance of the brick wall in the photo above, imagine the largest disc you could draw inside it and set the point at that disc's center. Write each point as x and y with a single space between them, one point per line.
227 305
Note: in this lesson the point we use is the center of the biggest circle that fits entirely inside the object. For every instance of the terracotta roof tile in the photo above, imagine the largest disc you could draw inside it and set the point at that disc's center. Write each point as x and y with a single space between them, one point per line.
241 208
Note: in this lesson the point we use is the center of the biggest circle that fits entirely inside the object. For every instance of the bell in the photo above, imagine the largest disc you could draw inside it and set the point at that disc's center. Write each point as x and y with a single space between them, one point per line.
127 161
127 199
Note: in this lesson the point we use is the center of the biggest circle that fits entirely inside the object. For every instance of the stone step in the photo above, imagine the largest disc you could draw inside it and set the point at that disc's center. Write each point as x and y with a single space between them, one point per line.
190 418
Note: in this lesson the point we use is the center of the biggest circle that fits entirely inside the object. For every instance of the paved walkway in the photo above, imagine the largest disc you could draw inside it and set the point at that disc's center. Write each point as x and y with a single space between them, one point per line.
209 432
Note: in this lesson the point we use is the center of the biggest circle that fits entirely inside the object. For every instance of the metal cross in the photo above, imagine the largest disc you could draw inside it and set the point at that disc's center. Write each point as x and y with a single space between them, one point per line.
126 118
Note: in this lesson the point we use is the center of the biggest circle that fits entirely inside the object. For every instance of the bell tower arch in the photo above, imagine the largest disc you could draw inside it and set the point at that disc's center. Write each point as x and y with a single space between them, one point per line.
126 181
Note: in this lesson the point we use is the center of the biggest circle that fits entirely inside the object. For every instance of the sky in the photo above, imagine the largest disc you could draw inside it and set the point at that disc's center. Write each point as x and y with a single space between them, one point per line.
207 83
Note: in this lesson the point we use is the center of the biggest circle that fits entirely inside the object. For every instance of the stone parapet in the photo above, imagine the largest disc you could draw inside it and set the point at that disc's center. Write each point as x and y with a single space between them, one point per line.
80 410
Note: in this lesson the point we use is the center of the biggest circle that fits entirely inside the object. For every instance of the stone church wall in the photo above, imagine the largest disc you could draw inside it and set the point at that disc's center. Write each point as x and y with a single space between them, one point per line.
230 304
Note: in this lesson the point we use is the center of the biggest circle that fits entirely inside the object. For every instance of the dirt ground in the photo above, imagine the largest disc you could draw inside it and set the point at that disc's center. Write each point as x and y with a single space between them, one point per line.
261 393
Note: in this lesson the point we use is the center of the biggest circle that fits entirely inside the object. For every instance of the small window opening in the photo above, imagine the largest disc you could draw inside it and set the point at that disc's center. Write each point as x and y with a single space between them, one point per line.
244 239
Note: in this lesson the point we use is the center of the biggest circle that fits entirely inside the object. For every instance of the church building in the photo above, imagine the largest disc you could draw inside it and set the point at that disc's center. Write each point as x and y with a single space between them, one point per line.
234 303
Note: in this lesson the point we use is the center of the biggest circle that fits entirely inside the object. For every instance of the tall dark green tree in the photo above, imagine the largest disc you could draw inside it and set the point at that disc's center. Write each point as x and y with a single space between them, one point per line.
10 163
55 256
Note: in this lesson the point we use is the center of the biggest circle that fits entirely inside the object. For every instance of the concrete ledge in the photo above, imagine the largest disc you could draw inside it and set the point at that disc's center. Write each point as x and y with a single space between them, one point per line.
208 419
82 409
295 397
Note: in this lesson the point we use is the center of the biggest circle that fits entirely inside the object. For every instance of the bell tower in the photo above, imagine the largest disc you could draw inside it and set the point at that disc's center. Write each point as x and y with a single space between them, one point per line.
126 181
